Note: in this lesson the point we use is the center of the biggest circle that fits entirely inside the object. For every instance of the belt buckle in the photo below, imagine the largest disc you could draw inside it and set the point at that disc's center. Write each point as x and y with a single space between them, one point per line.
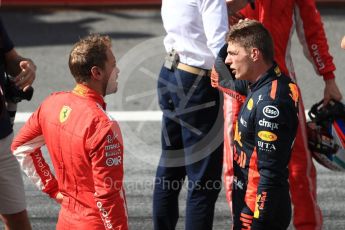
171 60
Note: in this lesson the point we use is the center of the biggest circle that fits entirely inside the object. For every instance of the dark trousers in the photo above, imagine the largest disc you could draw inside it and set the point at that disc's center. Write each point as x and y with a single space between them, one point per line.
192 146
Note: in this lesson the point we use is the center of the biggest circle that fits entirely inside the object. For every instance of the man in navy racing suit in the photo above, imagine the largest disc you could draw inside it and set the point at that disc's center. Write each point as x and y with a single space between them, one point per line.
264 131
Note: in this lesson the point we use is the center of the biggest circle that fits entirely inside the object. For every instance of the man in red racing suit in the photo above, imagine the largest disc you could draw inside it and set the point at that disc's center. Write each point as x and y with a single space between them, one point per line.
84 144
281 18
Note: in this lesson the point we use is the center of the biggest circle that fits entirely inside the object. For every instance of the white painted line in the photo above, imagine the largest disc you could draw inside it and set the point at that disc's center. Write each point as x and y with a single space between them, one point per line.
127 116
136 115
22 117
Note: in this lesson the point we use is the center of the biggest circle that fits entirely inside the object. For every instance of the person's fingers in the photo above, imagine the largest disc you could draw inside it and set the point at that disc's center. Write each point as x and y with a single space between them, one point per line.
24 65
59 198
326 99
24 79
343 43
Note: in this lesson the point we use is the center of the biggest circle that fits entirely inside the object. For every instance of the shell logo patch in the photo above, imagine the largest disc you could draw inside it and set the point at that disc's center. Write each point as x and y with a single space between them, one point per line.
64 113
250 104
267 136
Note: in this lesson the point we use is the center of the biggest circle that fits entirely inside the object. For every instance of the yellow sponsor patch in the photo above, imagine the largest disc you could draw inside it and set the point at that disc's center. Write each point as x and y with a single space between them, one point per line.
256 209
64 113
267 136
250 104
259 204
237 136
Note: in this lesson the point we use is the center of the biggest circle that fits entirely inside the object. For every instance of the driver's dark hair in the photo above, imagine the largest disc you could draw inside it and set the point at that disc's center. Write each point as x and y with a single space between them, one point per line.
252 34
88 52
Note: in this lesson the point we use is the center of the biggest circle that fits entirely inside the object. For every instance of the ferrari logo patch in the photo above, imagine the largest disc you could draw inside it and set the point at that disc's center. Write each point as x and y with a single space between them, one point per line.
64 113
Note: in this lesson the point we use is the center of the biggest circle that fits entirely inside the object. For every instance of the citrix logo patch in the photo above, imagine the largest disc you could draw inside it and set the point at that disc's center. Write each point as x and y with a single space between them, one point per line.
268 124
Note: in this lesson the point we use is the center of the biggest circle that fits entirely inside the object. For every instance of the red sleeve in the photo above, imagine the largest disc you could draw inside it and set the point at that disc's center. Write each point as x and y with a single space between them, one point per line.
26 146
248 12
312 35
107 167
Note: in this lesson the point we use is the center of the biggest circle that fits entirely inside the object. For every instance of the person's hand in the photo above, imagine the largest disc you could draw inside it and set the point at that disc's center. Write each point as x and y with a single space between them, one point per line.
59 197
27 75
235 5
214 78
343 43
331 92
235 18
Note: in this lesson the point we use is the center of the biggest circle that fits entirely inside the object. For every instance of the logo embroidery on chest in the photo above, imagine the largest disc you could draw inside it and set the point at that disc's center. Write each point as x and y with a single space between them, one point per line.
250 104
64 113
270 111
259 99
267 136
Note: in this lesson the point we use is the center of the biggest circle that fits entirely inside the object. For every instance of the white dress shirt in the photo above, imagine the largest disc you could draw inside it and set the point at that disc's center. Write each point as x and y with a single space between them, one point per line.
196 29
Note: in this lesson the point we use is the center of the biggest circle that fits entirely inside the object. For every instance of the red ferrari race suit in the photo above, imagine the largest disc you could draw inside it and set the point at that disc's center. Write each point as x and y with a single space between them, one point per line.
281 18
86 149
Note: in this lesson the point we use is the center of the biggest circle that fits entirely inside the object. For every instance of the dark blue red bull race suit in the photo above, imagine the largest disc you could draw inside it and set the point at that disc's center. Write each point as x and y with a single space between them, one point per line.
264 134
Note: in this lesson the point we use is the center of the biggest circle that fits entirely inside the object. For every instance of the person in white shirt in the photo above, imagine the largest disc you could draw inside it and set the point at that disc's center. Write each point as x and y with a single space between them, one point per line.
192 131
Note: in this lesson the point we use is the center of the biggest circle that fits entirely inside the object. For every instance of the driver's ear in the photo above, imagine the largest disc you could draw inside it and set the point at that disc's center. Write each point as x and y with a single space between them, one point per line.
96 73
254 54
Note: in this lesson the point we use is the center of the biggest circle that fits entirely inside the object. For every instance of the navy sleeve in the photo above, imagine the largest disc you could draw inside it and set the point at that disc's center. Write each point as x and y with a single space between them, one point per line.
5 46
226 80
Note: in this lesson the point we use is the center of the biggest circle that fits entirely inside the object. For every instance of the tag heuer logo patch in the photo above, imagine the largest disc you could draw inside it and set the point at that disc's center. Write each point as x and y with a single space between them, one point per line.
64 113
